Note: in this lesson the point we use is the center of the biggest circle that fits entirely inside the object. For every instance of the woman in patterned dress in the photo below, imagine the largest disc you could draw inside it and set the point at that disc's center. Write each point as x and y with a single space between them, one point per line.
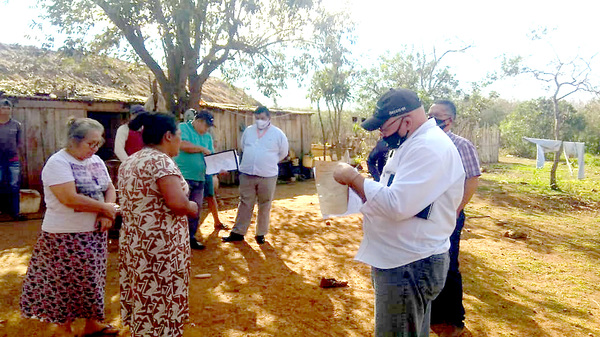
67 271
154 246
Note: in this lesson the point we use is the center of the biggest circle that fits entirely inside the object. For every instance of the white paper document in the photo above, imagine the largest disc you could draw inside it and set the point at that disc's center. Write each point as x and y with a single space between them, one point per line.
221 161
333 196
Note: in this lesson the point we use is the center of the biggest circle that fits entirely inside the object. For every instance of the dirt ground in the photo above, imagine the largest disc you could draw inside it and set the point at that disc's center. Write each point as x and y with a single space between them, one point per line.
273 289
254 290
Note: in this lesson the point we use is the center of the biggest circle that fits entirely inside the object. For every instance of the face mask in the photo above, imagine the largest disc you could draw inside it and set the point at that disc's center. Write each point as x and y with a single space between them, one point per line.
395 140
441 123
261 124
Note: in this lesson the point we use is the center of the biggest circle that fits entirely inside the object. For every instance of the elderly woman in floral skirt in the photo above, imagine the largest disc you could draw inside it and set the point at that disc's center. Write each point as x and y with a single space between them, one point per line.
67 271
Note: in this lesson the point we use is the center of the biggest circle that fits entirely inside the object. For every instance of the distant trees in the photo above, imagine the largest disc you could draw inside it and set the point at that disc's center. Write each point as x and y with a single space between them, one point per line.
334 74
562 77
591 134
183 42
416 70
535 118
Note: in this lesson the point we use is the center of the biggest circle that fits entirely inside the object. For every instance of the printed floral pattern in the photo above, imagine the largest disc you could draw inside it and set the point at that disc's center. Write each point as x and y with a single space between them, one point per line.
154 249
66 277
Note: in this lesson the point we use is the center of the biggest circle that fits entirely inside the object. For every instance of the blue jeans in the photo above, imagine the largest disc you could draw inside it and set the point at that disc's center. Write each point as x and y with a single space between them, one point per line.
403 296
10 174
448 306
197 196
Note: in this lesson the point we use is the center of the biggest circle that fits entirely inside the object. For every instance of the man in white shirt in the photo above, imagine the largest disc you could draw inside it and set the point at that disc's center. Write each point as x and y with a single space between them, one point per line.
263 146
409 214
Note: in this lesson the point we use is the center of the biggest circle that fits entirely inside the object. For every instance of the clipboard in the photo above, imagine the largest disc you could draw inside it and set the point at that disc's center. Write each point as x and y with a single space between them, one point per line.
227 160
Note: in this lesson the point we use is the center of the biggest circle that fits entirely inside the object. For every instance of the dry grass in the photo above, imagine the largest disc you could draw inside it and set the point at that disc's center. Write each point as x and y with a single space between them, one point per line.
544 284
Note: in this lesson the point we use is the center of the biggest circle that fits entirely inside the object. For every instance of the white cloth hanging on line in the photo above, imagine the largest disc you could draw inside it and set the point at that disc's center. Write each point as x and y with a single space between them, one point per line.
571 149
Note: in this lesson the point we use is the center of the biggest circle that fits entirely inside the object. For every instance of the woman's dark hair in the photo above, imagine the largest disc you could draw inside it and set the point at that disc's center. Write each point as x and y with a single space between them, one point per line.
136 123
155 126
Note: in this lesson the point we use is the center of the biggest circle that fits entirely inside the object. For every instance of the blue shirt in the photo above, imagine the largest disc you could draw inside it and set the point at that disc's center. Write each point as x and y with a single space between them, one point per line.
261 154
192 165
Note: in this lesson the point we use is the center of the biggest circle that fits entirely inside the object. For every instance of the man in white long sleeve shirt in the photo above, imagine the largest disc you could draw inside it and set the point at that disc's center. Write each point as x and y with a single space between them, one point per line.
409 214
263 147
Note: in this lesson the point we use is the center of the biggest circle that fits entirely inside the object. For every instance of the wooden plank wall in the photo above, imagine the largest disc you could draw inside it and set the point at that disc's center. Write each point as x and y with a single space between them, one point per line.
45 131
229 126
485 138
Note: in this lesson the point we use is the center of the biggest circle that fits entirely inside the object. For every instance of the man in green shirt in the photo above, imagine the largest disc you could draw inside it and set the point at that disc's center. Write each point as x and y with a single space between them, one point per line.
195 143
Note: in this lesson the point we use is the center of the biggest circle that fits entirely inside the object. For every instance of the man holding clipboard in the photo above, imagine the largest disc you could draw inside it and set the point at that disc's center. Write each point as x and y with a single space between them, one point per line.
196 142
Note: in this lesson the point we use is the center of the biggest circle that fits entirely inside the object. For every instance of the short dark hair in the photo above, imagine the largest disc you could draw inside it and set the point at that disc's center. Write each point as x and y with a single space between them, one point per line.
156 125
262 109
449 106
206 116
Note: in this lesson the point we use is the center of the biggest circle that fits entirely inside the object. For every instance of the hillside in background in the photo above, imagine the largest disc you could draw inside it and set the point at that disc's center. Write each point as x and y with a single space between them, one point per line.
27 70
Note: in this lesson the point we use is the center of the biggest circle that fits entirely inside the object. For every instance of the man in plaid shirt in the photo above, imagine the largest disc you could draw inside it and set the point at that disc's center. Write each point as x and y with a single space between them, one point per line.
448 312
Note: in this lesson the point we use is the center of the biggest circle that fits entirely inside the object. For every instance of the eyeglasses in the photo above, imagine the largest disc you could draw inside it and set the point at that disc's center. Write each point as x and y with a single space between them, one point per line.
95 145
388 124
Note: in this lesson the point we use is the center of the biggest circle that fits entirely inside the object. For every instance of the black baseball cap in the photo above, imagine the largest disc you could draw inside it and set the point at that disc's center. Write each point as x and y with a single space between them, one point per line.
395 102
5 103
206 116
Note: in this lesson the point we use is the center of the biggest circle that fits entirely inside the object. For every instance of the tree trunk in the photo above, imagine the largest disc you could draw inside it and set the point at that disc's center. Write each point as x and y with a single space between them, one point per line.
322 131
557 123
196 84
553 184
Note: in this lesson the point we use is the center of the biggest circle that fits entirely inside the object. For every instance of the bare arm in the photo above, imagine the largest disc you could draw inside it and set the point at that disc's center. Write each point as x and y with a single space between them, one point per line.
347 175
68 196
110 195
470 188
191 148
176 200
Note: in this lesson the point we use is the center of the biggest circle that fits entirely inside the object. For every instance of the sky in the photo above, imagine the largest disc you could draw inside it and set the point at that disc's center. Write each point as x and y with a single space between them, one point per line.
492 29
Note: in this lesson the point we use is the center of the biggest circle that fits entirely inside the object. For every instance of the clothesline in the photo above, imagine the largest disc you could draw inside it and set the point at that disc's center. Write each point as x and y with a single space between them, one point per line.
569 149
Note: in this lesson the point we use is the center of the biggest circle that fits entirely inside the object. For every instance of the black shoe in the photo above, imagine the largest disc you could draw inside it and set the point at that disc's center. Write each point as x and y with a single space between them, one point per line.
260 239
196 245
233 237
19 217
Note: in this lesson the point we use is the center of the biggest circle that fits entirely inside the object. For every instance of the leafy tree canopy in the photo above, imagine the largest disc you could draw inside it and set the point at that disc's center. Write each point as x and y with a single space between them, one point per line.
535 119
183 42
415 70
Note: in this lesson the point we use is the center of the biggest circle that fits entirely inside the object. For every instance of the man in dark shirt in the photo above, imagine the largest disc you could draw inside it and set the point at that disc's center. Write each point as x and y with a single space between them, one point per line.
377 158
10 167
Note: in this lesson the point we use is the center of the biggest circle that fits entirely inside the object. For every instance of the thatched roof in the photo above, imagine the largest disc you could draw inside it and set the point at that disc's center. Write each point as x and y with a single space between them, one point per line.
31 71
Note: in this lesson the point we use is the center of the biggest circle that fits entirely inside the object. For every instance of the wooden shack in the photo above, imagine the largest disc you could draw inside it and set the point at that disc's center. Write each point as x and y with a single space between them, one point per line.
45 131
44 125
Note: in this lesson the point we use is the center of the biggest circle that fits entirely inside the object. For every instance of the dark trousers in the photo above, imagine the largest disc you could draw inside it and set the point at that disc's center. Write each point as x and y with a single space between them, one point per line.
197 196
448 306
10 186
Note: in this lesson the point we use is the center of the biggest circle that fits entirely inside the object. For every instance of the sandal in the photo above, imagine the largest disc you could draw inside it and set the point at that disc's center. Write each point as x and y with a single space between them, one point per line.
108 330
221 226
332 283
